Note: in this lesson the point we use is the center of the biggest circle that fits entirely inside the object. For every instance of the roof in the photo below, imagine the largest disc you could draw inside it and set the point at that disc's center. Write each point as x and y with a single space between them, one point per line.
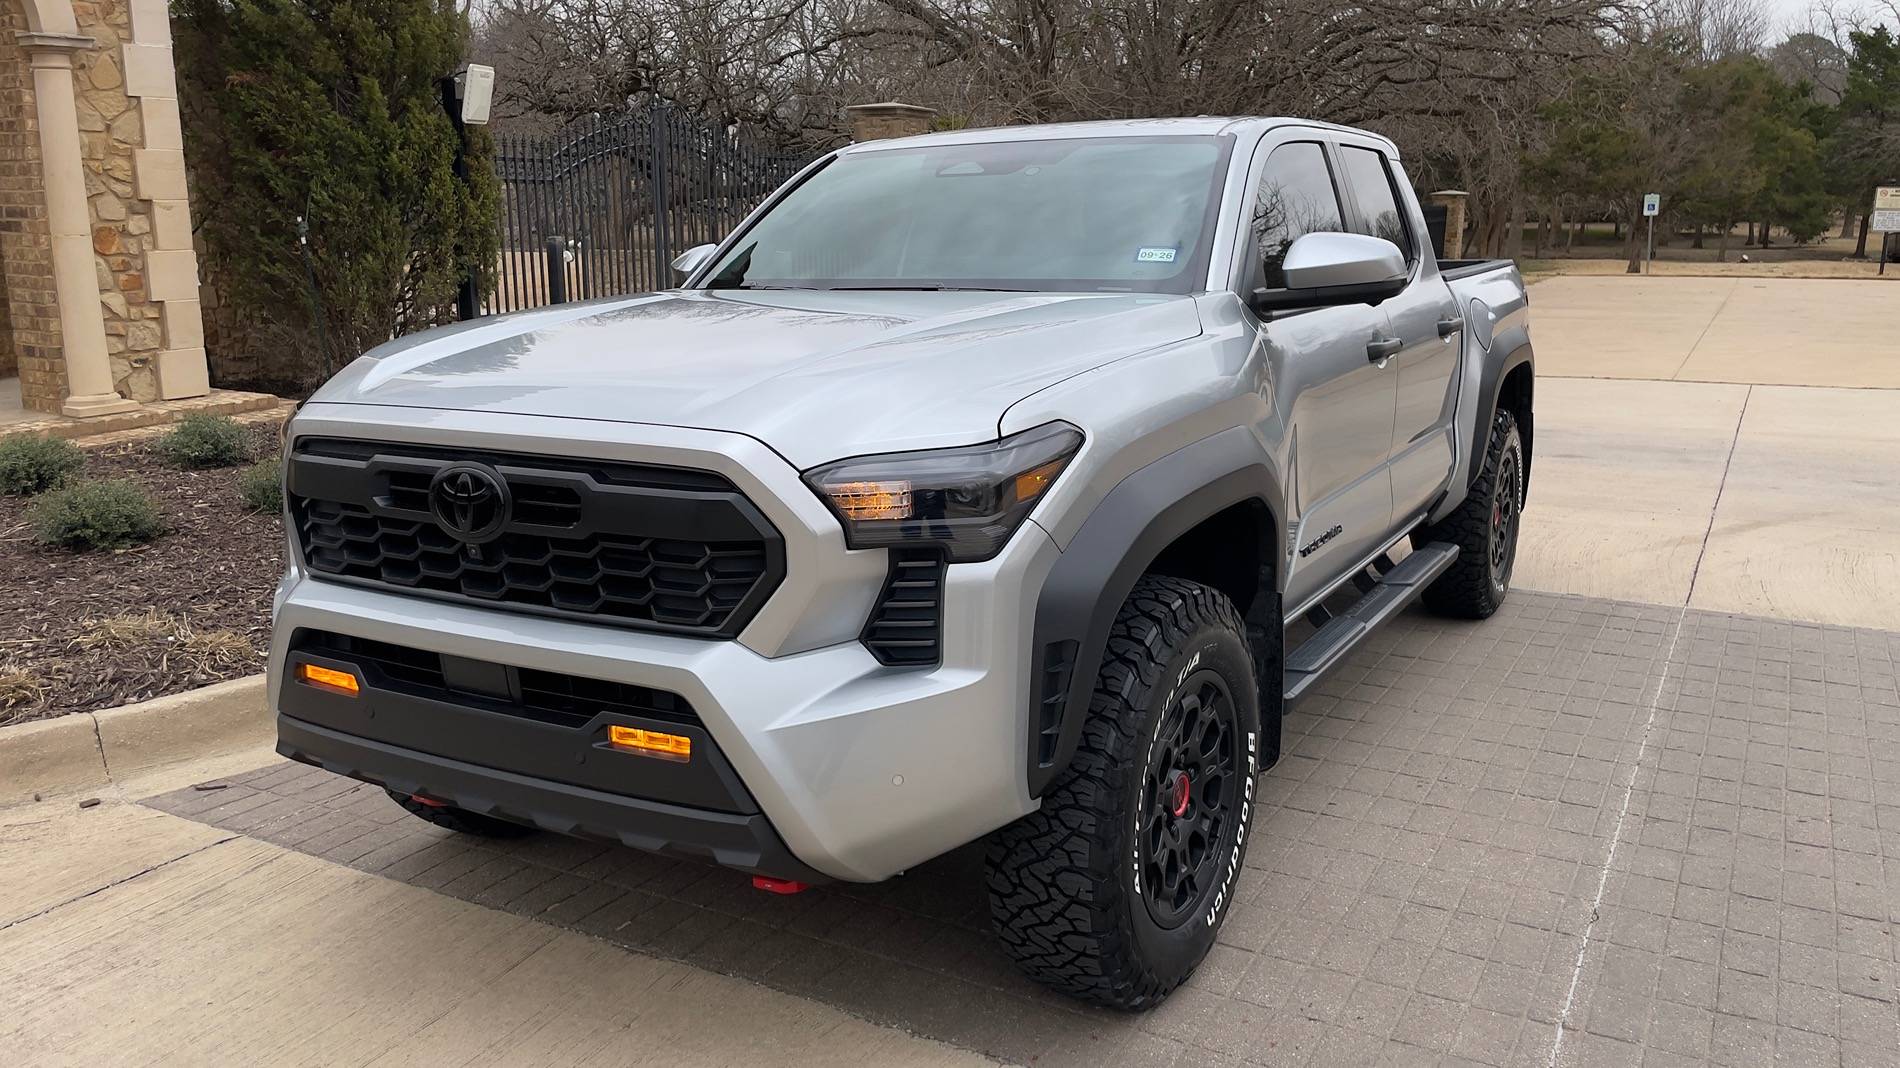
1201 125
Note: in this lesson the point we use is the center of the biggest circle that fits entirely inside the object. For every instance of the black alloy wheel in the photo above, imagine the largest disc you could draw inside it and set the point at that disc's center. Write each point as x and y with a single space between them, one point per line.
1188 801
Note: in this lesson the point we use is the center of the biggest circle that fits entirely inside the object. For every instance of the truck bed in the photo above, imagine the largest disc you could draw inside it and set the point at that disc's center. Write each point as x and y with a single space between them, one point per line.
1452 270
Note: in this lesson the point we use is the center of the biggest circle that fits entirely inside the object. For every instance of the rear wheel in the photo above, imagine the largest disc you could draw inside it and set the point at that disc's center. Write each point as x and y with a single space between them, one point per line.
459 820
1114 890
1484 528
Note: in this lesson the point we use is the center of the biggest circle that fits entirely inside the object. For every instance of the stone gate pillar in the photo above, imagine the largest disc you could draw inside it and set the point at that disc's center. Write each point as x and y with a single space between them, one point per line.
82 332
874 122
1453 201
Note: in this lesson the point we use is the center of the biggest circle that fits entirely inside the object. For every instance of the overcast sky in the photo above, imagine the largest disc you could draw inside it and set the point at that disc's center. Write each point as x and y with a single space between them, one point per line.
1793 14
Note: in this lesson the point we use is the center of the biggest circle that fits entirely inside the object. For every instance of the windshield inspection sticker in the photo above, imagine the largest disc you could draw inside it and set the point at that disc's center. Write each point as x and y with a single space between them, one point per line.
1155 255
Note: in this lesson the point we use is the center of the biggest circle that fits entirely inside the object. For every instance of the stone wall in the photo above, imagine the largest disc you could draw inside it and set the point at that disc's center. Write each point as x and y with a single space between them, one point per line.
135 184
29 304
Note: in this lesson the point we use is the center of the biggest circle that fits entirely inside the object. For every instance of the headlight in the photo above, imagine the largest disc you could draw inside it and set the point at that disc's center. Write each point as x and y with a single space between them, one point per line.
968 500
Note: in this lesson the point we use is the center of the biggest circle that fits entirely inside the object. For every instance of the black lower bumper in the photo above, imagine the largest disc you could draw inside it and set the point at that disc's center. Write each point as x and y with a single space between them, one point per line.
743 841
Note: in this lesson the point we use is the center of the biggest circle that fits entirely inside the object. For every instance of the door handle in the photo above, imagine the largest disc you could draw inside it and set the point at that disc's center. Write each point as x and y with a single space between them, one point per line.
1381 349
1453 325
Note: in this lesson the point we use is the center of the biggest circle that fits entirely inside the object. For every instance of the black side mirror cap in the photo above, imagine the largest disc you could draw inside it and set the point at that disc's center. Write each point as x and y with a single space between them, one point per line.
1373 293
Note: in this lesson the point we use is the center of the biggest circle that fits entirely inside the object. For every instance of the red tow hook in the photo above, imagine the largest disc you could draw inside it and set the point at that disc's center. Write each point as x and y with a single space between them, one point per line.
779 886
429 801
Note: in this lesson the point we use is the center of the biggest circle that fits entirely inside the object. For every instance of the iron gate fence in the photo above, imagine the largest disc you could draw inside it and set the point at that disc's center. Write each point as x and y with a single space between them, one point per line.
604 206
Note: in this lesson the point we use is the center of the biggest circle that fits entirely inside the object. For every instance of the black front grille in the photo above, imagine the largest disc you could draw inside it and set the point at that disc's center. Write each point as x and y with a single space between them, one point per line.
906 624
629 544
548 696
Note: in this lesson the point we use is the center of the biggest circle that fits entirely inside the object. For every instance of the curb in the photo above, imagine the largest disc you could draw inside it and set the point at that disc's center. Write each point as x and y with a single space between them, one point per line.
88 750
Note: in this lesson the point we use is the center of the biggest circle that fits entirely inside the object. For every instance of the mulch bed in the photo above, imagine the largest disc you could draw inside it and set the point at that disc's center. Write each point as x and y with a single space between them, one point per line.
214 570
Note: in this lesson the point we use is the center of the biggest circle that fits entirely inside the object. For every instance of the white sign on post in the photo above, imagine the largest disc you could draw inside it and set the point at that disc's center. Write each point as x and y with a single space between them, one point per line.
1652 204
1886 214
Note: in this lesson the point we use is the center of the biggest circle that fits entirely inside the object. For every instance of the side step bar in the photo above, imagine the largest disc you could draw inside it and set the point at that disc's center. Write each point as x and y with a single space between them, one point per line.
1387 597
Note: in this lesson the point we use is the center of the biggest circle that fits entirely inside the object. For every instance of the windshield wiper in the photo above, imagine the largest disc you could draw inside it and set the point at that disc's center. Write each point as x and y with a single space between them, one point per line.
926 289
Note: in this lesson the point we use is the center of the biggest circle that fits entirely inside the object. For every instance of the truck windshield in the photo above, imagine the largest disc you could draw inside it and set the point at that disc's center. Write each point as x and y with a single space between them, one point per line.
1124 214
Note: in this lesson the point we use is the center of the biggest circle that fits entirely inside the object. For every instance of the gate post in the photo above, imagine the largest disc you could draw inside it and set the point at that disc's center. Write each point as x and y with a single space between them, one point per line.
557 270
1453 201
657 123
874 122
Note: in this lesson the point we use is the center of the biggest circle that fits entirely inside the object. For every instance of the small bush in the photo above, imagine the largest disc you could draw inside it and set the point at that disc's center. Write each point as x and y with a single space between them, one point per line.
96 515
31 464
262 486
202 440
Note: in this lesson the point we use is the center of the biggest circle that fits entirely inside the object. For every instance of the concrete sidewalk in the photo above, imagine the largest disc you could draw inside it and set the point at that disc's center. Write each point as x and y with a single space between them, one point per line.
1721 443
131 936
1766 331
1766 500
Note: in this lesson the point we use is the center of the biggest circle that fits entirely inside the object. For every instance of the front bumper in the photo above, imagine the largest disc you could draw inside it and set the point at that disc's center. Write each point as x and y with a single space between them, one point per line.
737 840
859 770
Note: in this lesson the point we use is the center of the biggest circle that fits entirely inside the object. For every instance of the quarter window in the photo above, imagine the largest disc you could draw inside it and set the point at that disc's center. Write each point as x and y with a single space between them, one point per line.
1378 205
1296 198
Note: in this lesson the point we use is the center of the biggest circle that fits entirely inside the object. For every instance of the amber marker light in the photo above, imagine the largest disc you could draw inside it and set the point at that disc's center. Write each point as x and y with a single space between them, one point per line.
330 679
872 500
650 743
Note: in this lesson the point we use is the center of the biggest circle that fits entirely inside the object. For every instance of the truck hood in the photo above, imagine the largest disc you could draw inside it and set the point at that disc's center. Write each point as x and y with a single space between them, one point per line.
815 375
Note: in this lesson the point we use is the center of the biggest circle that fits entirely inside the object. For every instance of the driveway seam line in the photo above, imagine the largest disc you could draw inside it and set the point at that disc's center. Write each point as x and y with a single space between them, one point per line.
1706 327
1616 838
1709 531
56 906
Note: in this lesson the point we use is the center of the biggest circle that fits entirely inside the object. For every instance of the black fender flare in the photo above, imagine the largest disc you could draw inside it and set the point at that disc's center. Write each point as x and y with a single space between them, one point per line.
1516 347
1083 592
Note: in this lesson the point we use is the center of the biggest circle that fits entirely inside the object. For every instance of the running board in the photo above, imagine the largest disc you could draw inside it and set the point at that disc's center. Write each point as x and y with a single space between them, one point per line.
1388 596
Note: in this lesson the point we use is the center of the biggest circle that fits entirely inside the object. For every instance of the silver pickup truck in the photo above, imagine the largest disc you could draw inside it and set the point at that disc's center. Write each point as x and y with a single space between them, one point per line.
1004 483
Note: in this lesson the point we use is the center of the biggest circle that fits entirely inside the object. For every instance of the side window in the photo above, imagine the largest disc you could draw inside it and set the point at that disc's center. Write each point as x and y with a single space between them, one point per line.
1296 198
1371 185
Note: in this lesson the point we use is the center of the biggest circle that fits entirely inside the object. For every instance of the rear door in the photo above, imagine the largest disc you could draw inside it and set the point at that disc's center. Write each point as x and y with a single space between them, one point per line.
1336 401
1425 319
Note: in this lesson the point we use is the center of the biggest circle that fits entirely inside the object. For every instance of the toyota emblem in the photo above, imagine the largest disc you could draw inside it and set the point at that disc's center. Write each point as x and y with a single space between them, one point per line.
470 501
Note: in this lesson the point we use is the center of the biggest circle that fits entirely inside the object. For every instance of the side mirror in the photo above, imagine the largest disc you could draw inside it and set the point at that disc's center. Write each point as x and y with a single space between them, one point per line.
1324 269
689 261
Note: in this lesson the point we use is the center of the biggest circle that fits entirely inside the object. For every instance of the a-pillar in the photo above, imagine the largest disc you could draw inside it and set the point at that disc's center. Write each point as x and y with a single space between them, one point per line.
82 331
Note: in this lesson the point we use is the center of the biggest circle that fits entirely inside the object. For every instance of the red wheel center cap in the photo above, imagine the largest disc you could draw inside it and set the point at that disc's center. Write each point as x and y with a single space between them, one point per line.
1178 796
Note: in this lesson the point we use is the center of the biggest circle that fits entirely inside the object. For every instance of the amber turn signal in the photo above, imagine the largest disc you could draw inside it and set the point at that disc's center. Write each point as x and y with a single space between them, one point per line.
651 743
330 679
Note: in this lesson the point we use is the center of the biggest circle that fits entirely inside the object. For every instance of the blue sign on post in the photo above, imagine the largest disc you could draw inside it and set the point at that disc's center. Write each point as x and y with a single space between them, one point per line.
1652 206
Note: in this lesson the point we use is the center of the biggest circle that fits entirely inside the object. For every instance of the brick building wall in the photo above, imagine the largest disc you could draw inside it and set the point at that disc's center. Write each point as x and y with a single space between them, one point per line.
29 305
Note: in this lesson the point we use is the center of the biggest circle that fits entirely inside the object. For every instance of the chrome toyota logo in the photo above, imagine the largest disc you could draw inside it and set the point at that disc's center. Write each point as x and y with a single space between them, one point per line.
470 501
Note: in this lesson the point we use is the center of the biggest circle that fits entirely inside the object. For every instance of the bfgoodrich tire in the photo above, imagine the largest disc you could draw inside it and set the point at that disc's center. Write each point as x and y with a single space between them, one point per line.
1484 528
462 821
1115 889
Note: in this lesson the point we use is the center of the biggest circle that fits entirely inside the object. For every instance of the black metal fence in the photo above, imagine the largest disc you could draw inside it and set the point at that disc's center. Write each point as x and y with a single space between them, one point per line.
604 206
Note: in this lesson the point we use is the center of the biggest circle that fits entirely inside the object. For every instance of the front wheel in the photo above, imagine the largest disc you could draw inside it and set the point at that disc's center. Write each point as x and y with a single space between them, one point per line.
1484 528
1115 889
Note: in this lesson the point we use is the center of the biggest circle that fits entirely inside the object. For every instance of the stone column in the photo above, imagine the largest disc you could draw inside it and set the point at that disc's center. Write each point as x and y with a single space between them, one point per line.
171 264
82 332
1453 201
874 122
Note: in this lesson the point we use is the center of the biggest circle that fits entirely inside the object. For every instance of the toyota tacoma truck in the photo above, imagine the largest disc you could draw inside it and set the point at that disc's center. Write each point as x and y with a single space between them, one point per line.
999 484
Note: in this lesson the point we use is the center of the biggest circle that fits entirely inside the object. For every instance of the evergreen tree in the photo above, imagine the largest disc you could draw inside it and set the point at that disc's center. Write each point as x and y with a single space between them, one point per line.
1864 148
323 161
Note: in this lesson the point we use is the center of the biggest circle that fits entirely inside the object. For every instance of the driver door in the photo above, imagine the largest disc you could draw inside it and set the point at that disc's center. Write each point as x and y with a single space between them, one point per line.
1334 394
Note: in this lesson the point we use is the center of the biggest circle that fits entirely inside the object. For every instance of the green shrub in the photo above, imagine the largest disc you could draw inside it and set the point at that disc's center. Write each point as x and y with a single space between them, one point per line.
317 128
96 515
32 464
262 486
201 440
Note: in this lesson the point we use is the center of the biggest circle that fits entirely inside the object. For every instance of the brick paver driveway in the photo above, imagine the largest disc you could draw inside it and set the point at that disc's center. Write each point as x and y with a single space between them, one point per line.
1583 832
